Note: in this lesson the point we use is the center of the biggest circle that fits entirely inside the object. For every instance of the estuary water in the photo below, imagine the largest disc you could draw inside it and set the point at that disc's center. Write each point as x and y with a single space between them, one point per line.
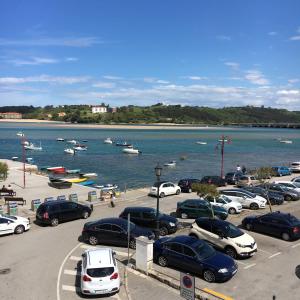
252 147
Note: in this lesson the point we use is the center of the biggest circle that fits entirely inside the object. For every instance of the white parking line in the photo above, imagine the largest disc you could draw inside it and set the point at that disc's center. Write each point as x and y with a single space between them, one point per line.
297 245
278 253
242 263
88 247
69 288
76 258
249 266
70 272
264 251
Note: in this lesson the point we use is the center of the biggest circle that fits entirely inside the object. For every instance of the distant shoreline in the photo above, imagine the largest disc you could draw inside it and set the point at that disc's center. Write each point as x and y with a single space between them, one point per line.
155 126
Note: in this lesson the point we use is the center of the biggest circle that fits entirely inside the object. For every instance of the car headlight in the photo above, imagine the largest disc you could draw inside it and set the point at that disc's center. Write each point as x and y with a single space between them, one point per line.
224 270
172 224
240 245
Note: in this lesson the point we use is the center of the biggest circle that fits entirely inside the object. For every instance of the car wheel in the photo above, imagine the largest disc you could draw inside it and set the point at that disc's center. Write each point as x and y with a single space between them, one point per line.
209 276
163 231
162 261
232 210
285 236
85 215
161 195
177 192
19 229
93 240
132 244
249 226
254 206
288 198
230 251
54 222
190 190
184 216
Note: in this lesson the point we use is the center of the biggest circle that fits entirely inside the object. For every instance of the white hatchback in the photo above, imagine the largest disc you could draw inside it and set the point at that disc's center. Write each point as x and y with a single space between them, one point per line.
99 272
232 207
165 188
13 224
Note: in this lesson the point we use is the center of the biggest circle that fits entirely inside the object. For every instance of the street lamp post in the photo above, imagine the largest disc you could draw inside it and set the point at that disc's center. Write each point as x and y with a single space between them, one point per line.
157 169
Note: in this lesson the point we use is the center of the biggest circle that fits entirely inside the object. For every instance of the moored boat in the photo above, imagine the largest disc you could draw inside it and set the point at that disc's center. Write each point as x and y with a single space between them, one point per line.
76 180
69 151
80 148
74 171
15 158
31 146
108 141
201 143
87 182
170 164
130 151
20 133
89 175
59 169
123 144
72 142
286 141
60 140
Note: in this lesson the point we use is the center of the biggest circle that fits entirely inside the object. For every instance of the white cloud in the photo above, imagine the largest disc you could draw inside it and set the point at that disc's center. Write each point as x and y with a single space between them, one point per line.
293 80
223 37
71 59
110 77
33 61
195 77
48 42
288 92
155 80
233 65
272 33
105 85
256 77
296 37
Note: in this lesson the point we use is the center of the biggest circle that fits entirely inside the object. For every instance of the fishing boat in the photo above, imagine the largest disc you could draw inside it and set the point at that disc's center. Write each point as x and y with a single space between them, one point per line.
80 148
59 169
87 182
286 141
32 146
123 144
25 143
201 143
76 179
69 151
108 141
20 133
74 171
15 158
72 142
170 164
60 140
131 150
89 175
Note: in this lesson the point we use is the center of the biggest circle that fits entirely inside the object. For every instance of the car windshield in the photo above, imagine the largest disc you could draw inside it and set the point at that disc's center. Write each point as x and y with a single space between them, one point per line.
226 199
232 231
100 272
248 194
204 251
9 217
156 184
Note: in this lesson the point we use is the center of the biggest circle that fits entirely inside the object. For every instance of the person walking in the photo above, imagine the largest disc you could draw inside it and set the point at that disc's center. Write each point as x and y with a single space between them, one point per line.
244 169
112 199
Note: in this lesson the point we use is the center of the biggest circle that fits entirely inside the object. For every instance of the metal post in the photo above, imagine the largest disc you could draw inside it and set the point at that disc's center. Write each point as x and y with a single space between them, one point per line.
128 237
23 158
157 207
222 154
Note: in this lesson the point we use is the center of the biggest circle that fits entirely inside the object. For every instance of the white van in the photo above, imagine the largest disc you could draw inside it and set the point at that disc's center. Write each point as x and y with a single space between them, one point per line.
295 166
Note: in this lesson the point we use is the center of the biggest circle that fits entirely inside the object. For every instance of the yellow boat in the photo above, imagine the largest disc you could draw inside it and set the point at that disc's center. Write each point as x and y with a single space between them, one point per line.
75 180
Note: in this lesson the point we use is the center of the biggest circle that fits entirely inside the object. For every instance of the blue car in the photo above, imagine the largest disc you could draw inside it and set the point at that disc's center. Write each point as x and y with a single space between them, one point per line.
281 171
195 256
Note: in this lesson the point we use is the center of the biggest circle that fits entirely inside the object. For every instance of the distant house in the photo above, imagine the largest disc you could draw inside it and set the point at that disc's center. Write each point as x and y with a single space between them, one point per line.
112 109
10 115
61 114
96 109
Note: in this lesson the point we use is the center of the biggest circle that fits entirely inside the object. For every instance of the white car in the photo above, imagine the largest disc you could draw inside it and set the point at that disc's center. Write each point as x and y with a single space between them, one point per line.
232 207
225 236
290 184
13 224
247 199
295 166
165 188
99 272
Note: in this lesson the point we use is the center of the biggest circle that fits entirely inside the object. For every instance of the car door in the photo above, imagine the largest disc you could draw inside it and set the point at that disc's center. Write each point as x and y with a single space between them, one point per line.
67 211
164 188
243 199
215 235
264 224
103 233
190 261
172 188
190 208
6 226
135 217
203 210
174 254
118 235
149 219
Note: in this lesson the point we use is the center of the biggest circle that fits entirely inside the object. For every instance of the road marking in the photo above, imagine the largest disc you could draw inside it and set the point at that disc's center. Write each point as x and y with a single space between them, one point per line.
249 266
76 258
69 288
120 253
217 294
242 263
297 245
60 270
264 251
70 272
278 253
84 246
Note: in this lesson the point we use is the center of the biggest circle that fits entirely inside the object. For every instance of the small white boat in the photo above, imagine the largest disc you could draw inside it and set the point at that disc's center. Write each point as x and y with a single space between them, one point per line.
32 146
80 148
15 158
89 175
170 164
26 143
201 143
108 141
72 142
225 140
69 151
60 140
30 160
286 141
20 133
131 151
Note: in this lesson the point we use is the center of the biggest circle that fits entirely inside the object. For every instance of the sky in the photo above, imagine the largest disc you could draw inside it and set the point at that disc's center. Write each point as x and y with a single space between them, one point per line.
191 52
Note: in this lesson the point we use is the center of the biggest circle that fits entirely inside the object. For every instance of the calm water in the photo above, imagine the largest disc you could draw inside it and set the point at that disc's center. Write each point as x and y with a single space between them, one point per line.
252 147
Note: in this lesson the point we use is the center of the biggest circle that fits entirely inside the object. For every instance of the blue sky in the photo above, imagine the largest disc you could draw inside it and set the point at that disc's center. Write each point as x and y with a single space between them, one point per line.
198 52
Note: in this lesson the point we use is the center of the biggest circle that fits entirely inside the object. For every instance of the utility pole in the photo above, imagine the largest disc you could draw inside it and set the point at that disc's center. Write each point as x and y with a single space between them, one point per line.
224 139
24 160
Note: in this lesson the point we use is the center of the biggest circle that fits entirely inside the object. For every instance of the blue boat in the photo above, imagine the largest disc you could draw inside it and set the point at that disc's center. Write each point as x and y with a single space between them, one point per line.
87 182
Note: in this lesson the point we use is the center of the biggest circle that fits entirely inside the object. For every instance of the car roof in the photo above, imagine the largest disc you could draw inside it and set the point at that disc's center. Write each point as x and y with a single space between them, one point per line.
184 239
116 221
215 220
53 202
139 208
100 257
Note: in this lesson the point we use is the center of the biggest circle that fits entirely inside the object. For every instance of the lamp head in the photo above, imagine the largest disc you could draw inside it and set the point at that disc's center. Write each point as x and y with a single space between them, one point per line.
158 169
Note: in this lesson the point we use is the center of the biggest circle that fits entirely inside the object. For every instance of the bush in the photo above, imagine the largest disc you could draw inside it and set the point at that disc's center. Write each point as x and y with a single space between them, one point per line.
3 171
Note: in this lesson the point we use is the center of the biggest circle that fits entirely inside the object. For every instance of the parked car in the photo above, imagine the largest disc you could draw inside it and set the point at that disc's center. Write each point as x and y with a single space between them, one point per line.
216 180
99 272
247 180
289 184
224 236
275 198
165 188
278 224
247 199
194 208
194 256
55 212
296 179
232 207
146 217
281 171
295 166
186 184
233 177
288 194
113 231
13 224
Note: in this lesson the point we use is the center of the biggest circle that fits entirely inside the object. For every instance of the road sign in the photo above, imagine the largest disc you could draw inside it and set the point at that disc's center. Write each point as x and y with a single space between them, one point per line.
187 286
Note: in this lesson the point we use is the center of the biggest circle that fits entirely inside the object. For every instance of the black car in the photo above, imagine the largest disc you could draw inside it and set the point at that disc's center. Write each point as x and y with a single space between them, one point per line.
233 177
278 224
57 211
287 193
186 184
146 217
275 198
216 180
113 231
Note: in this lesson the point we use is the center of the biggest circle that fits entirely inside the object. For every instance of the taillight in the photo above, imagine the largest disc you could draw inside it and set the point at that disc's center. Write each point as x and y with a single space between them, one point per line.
114 276
86 278
46 215
295 230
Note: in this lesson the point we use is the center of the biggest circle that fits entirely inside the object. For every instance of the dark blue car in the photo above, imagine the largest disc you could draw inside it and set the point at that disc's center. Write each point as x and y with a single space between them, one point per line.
283 225
281 171
195 256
